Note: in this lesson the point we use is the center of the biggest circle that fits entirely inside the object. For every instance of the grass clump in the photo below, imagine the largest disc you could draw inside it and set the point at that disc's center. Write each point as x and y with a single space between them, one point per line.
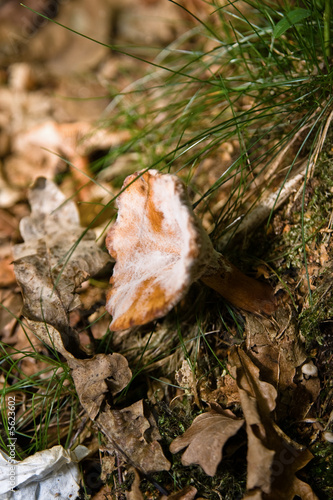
46 404
219 113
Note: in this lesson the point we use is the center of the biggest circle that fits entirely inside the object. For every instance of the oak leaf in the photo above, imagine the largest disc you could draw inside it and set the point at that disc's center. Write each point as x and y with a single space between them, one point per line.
131 433
187 493
272 458
56 257
206 438
97 376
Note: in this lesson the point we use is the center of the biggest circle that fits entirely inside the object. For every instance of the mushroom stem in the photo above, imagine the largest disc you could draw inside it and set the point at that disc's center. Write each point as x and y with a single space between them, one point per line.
240 290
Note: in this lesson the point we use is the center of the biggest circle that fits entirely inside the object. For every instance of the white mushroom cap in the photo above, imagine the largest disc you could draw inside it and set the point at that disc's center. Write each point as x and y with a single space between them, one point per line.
328 436
309 369
159 246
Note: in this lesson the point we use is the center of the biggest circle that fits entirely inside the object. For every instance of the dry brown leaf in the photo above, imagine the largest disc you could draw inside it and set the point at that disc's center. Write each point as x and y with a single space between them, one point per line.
95 377
273 459
10 310
134 493
134 436
187 493
7 275
51 337
71 139
8 195
56 257
75 141
275 346
205 439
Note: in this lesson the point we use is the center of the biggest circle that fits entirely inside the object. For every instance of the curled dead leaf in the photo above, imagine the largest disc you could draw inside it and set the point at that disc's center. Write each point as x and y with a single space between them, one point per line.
206 438
134 436
134 493
97 376
275 347
50 336
187 493
272 458
56 257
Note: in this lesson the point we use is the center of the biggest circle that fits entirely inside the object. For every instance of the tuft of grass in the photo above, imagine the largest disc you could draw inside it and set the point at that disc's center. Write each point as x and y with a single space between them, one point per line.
222 102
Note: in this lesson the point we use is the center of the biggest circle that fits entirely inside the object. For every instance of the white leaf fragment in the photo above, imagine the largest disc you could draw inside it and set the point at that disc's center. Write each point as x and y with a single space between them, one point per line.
52 474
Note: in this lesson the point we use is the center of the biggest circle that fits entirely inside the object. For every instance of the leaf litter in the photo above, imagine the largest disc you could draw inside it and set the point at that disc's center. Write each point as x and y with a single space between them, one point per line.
206 437
271 359
49 272
272 458
50 268
57 256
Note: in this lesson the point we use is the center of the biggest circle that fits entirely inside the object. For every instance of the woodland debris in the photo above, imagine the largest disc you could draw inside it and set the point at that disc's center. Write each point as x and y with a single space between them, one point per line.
134 493
97 376
10 310
72 141
58 255
7 275
55 259
273 459
206 438
136 437
8 195
187 493
275 346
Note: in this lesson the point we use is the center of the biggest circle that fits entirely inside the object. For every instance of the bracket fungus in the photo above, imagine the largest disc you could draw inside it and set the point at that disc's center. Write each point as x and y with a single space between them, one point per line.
161 248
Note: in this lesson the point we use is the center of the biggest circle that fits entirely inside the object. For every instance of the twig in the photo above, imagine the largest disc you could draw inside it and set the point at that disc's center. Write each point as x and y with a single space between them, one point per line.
262 211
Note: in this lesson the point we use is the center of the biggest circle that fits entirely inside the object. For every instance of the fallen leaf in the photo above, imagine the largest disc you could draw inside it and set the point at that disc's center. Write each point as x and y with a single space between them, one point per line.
10 310
275 347
134 436
51 337
102 494
187 493
75 141
7 275
272 458
97 376
206 438
134 493
8 195
56 257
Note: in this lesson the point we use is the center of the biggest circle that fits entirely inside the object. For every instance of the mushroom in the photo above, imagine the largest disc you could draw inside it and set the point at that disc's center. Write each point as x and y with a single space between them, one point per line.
309 370
161 248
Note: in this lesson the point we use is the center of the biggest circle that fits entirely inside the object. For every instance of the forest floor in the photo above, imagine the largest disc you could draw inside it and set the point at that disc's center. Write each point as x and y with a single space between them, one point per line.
259 386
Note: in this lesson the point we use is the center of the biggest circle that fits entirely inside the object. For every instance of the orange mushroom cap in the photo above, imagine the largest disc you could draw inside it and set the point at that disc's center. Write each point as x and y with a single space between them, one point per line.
159 246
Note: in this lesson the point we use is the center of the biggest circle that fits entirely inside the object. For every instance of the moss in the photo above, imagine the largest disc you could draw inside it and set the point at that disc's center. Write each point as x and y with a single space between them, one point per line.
320 310
321 470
